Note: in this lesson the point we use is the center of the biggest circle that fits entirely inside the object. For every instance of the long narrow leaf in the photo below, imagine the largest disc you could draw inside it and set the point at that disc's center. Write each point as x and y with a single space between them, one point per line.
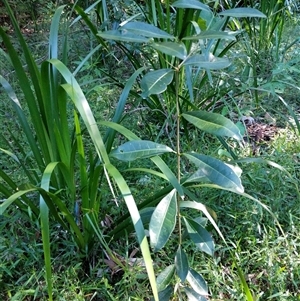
110 134
138 225
146 30
139 149
202 208
191 4
160 163
209 62
200 236
44 216
156 82
243 12
163 221
213 123
216 171
165 277
176 49
181 264
197 282
122 36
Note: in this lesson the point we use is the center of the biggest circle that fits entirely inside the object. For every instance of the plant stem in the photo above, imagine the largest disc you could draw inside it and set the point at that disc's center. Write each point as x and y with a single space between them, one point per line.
178 149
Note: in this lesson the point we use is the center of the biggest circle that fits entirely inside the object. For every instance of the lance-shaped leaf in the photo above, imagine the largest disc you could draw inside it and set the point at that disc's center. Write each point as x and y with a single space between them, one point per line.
139 149
165 277
213 123
193 295
207 61
146 30
200 236
195 4
199 176
123 36
217 172
156 82
213 34
176 49
181 263
166 294
163 221
243 12
197 282
171 48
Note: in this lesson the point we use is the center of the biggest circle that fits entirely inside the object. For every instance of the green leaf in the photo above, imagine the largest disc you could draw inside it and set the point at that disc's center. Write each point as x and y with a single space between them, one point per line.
197 282
137 222
166 294
160 163
199 176
119 109
181 263
13 198
191 4
44 220
122 36
193 295
199 206
213 34
121 129
213 123
200 236
208 62
243 12
12 155
146 30
165 277
163 221
217 172
156 82
176 49
139 149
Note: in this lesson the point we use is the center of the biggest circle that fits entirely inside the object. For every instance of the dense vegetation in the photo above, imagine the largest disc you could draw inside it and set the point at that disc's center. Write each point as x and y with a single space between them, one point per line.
149 150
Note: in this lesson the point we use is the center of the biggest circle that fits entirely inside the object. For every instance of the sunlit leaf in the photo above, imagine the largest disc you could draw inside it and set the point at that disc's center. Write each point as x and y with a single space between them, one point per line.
165 277
171 48
156 82
197 282
163 221
210 214
216 171
193 295
213 123
200 236
213 34
146 30
207 62
139 149
122 36
199 177
181 263
243 12
191 4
